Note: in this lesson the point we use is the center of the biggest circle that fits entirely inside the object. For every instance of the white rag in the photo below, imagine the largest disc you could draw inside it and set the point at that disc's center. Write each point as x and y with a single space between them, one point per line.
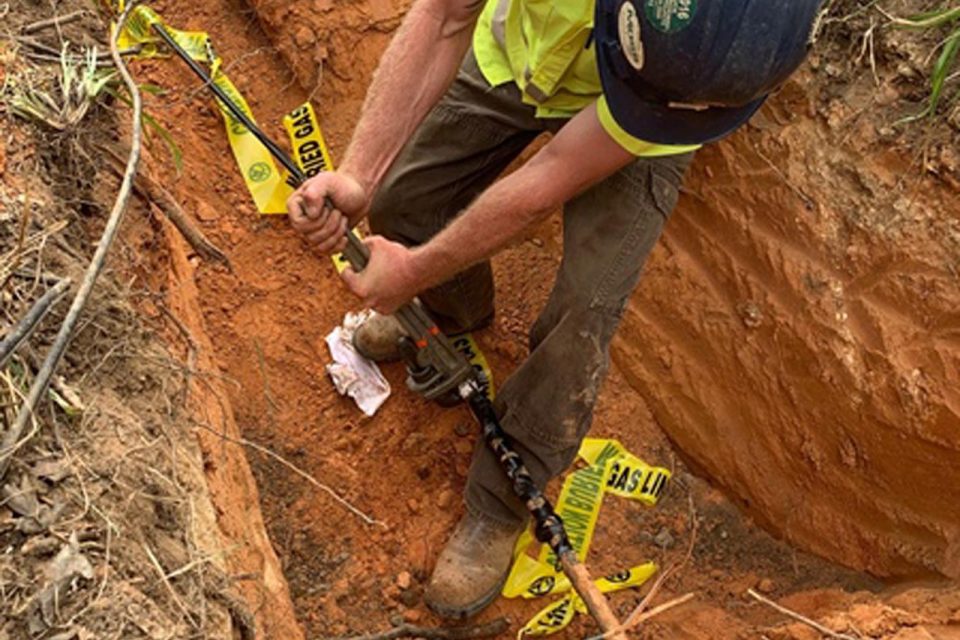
352 374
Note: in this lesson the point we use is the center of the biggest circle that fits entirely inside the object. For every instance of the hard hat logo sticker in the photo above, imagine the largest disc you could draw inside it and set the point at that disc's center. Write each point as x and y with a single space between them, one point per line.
670 16
630 40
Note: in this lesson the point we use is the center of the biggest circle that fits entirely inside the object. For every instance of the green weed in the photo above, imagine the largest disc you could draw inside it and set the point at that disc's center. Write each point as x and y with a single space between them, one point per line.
949 47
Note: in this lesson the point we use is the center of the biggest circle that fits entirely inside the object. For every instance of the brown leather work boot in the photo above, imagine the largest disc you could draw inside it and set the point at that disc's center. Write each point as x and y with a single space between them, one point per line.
378 338
471 569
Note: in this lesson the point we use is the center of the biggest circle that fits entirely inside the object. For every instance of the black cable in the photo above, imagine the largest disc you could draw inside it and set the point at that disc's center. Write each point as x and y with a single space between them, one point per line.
235 111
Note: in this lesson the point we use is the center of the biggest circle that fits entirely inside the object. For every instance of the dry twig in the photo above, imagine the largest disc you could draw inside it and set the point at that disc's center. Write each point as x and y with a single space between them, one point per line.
487 630
239 613
55 21
11 440
166 583
800 618
638 616
300 472
31 320
151 191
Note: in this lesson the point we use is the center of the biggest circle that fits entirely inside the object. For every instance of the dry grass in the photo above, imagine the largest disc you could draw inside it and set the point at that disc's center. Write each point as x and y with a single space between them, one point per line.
101 509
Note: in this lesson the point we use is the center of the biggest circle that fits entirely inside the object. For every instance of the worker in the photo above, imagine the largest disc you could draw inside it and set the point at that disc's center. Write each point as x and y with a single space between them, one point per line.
627 90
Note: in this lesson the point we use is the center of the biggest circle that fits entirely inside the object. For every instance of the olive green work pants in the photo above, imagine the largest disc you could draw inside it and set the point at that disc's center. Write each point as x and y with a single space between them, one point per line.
546 406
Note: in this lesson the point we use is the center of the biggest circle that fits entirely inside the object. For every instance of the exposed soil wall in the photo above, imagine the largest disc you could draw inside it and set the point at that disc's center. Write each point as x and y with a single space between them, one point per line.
233 492
797 332
798 336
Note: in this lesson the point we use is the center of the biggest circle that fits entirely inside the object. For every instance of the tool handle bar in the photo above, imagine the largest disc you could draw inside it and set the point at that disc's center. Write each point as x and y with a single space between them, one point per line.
231 106
356 253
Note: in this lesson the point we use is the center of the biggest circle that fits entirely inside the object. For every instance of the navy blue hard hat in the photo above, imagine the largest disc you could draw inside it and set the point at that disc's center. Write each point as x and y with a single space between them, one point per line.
692 71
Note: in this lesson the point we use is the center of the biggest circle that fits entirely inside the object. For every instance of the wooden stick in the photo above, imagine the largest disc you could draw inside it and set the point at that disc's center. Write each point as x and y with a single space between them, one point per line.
177 600
487 630
11 440
31 320
800 618
657 610
151 191
596 602
640 619
55 21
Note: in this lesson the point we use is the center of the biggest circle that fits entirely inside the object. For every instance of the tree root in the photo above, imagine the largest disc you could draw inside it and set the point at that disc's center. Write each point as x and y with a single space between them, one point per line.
12 438
154 193
31 320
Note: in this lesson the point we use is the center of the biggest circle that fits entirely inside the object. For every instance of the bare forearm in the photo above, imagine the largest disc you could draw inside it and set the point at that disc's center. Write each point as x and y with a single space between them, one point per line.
417 68
580 156
501 214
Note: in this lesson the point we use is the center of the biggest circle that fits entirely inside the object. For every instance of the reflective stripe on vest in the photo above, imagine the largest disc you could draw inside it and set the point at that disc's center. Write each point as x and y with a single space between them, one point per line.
542 40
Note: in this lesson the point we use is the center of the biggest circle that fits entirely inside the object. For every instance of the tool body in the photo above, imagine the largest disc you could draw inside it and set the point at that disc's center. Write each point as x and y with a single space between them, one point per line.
439 372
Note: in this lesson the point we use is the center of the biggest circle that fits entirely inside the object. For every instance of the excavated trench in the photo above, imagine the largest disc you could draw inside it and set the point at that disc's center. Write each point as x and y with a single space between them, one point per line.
796 337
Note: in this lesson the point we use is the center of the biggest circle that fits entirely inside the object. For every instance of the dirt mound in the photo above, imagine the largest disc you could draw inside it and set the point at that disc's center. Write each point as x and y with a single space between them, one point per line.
797 333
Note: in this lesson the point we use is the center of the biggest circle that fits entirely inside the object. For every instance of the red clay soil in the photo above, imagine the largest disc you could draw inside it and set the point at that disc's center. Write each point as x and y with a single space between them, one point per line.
814 319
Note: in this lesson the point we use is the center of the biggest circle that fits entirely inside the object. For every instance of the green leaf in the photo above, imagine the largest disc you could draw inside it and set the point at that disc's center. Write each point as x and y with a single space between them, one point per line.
942 69
168 139
152 89
64 405
930 19
152 124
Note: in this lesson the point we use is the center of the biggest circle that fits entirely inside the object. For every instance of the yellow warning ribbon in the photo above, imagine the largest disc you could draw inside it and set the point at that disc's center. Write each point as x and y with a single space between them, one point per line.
263 180
558 614
611 469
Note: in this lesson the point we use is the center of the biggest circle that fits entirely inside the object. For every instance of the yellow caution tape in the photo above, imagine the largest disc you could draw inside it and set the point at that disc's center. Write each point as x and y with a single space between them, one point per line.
265 183
558 614
626 475
311 154
611 469
309 147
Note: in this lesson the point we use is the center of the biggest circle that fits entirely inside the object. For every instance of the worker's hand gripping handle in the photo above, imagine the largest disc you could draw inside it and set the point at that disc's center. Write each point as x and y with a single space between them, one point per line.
356 253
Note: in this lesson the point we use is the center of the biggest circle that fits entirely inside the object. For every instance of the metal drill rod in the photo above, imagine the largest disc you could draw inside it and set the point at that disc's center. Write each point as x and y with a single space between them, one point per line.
227 102
548 526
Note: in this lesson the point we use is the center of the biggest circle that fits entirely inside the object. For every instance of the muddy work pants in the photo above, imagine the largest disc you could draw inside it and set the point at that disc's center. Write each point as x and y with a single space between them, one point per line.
546 406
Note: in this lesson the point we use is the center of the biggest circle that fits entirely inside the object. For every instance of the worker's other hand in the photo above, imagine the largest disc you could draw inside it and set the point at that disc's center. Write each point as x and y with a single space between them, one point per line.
322 225
389 279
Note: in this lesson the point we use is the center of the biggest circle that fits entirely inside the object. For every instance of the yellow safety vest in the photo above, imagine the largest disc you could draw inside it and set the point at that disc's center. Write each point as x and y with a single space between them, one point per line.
542 46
